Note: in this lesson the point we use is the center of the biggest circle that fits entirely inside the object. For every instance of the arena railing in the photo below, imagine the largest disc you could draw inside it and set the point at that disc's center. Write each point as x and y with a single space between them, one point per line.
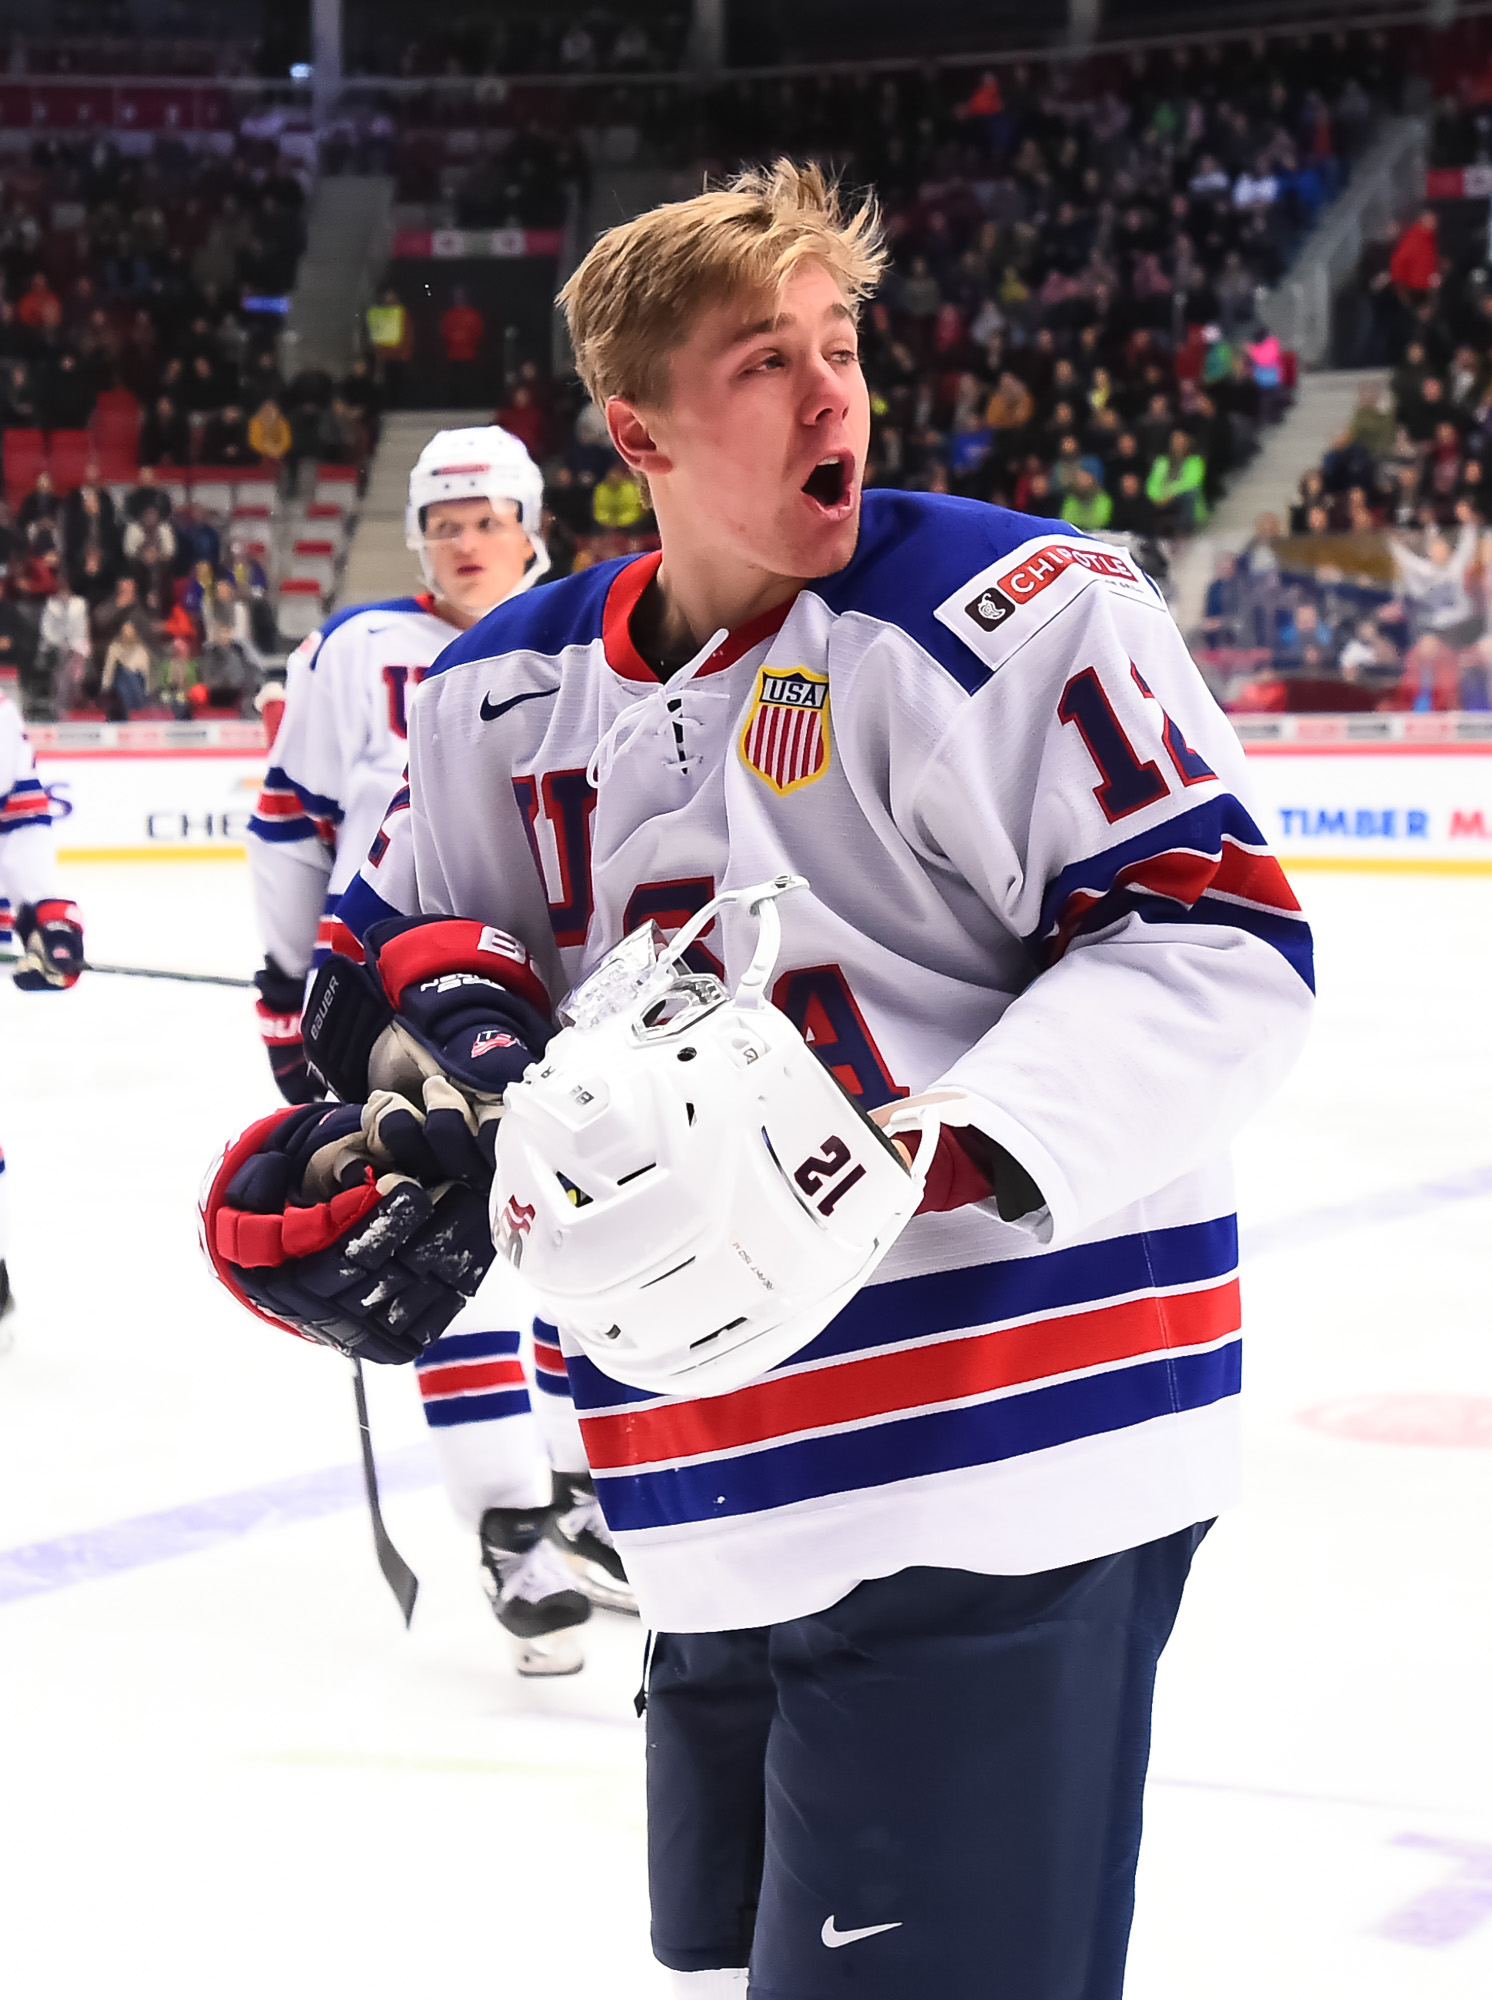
1387 182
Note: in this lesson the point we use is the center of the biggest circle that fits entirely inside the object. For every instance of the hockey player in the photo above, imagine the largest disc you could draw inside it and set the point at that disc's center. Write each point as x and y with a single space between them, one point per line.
46 926
473 518
910 1587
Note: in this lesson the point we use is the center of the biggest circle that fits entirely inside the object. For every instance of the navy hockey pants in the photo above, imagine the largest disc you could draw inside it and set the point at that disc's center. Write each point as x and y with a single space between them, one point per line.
930 1791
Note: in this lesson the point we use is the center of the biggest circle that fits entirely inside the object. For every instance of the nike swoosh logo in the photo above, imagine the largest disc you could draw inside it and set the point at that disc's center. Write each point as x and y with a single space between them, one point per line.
834 1939
491 709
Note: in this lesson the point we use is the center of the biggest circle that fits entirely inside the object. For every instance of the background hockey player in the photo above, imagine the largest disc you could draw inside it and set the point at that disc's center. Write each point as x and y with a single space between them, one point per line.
41 932
911 1586
473 518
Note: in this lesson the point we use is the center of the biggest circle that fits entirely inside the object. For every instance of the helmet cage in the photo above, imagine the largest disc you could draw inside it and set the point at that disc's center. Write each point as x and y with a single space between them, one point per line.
691 1194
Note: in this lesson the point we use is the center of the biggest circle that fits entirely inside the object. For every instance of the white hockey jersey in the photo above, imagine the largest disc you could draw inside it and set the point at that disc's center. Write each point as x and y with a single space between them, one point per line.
28 855
1034 880
338 756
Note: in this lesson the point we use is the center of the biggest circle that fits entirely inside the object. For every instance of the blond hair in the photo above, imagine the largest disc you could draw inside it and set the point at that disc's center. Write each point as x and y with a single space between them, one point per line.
641 286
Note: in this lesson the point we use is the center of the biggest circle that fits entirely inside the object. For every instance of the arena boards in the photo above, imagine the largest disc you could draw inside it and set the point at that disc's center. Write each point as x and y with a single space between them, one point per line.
1414 796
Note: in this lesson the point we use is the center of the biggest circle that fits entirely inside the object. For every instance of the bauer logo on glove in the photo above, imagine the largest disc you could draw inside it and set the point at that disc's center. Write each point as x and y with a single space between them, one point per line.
430 1031
436 996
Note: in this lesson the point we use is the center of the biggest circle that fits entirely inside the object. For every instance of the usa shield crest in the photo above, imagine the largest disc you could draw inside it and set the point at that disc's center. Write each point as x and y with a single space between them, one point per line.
786 735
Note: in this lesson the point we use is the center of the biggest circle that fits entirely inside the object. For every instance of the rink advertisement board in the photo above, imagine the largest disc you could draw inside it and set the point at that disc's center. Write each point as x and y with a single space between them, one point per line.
150 791
1375 793
1383 794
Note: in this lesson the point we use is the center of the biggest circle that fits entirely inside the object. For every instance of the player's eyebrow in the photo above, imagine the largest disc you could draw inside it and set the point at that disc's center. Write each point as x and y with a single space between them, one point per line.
777 322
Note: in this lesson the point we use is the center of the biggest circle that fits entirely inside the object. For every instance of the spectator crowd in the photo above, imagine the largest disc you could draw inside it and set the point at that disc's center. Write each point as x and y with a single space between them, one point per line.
1400 502
1069 323
141 299
119 604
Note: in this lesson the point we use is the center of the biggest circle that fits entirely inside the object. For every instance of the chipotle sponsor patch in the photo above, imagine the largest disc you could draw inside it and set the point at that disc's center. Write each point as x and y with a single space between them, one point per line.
985 611
1031 575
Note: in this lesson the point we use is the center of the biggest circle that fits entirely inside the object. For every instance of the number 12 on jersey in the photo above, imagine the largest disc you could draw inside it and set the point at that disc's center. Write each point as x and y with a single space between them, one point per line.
1129 782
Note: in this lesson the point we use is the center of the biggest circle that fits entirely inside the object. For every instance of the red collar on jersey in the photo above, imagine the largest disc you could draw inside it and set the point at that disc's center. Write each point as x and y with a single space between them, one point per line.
616 630
434 607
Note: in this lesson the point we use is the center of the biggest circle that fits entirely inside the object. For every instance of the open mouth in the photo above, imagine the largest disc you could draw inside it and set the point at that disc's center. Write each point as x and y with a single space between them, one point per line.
830 480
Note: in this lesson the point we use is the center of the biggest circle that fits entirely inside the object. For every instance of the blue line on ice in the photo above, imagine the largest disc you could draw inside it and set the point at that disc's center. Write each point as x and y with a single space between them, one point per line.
202 1524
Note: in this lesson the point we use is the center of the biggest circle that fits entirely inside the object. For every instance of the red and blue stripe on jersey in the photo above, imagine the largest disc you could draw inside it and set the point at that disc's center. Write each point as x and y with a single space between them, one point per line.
25 804
550 1374
288 811
333 938
472 1378
934 1374
1208 865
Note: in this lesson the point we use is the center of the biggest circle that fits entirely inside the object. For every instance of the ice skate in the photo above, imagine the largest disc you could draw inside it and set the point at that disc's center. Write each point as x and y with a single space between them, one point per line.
533 1591
582 1535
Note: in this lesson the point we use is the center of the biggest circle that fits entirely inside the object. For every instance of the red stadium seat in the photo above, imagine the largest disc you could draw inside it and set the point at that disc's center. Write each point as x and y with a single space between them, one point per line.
213 488
298 611
335 484
71 455
315 559
25 457
116 434
257 481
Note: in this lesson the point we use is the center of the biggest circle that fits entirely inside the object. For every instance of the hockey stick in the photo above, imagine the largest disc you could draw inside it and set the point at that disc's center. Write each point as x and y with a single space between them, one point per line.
397 1574
159 972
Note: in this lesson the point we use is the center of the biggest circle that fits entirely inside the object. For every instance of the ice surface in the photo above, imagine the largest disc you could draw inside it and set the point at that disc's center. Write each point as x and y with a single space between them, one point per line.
229 1772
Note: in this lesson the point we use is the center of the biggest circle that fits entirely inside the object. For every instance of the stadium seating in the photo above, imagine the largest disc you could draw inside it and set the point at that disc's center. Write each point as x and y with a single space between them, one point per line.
335 485
70 455
25 458
214 490
298 602
316 559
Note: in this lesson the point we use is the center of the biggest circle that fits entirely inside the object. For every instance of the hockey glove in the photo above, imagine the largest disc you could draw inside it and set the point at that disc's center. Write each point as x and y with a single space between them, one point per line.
278 1009
430 1031
52 934
302 1230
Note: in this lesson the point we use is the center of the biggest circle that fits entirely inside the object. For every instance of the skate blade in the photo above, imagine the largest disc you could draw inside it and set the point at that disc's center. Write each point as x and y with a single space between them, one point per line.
548 1655
601 1587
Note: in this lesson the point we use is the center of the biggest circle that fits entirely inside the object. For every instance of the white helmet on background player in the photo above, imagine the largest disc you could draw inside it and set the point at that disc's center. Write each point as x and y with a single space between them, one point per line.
484 462
687 1189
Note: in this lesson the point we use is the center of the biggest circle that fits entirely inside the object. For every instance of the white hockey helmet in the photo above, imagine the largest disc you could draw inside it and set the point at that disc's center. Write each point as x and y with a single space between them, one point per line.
687 1190
484 462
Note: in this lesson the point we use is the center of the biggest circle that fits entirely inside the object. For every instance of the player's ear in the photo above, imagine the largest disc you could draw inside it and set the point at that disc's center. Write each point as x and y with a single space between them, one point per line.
632 438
